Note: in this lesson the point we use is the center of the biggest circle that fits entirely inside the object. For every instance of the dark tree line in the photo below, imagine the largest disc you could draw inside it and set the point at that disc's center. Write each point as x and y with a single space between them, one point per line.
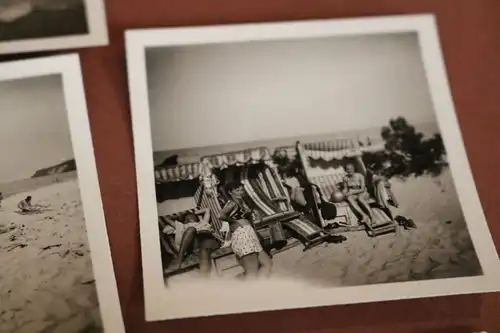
406 151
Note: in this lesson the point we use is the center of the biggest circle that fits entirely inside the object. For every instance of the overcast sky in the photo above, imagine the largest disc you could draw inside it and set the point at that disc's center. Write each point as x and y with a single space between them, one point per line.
231 93
34 131
11 10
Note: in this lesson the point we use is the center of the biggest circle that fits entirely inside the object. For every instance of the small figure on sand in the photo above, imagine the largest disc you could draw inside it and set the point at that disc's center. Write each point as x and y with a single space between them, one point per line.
1 199
244 240
26 206
356 194
193 231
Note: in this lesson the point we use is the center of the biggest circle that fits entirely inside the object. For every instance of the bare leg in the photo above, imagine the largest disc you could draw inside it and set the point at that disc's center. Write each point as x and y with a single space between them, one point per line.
205 263
366 206
187 239
242 275
250 264
266 264
354 206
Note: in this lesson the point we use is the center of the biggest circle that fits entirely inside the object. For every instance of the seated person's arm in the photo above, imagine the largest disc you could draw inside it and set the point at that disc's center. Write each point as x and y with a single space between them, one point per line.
170 222
204 222
345 187
205 212
226 212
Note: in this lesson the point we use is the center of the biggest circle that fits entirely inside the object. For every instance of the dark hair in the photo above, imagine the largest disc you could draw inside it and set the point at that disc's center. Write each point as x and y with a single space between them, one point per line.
231 186
190 214
28 197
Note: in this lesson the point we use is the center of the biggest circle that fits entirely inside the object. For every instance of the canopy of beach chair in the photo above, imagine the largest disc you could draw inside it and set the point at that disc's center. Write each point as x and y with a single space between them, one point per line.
332 150
329 158
179 172
237 158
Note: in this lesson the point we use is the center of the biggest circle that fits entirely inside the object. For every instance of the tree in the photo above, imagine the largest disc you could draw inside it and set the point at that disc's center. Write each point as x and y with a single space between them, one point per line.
408 152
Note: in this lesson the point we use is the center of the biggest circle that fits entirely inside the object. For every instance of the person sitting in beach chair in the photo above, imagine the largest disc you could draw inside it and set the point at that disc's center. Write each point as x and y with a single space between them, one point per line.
194 231
379 187
356 194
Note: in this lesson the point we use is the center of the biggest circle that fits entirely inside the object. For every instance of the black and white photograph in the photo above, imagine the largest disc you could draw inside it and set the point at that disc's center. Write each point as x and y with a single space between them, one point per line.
301 164
37 25
52 238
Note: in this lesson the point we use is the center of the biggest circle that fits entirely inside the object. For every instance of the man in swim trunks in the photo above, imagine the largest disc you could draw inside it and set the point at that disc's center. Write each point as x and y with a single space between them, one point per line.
356 194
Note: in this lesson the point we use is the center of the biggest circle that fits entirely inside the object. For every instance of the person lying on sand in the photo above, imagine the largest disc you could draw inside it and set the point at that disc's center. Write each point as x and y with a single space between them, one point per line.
193 232
244 240
356 194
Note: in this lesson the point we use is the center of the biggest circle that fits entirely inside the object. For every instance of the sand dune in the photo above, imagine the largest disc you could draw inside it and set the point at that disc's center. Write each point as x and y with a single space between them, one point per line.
47 283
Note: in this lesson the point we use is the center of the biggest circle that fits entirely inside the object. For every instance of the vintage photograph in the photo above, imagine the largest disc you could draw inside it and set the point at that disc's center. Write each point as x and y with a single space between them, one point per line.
36 25
316 160
48 279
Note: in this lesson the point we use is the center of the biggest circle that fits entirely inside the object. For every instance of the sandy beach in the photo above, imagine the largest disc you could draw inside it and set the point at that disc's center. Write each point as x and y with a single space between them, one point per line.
47 284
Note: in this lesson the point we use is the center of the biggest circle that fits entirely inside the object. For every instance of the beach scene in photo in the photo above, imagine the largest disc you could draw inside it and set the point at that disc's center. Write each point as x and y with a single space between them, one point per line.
438 247
286 119
47 282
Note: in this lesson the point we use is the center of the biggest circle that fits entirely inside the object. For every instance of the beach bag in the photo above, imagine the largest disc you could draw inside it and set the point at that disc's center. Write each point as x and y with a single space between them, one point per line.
328 210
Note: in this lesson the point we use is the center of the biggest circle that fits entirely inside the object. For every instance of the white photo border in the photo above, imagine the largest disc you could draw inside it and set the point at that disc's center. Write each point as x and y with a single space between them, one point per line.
68 66
96 36
169 303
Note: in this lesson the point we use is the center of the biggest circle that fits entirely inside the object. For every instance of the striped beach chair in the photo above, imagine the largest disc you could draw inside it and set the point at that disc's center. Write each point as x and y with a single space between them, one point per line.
332 156
267 196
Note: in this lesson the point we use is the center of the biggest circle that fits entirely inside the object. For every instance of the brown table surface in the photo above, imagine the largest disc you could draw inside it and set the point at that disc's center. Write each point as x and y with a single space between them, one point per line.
470 36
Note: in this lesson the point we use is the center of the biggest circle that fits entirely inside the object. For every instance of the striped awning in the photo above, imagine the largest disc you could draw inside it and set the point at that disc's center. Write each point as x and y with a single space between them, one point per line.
238 158
331 150
178 173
